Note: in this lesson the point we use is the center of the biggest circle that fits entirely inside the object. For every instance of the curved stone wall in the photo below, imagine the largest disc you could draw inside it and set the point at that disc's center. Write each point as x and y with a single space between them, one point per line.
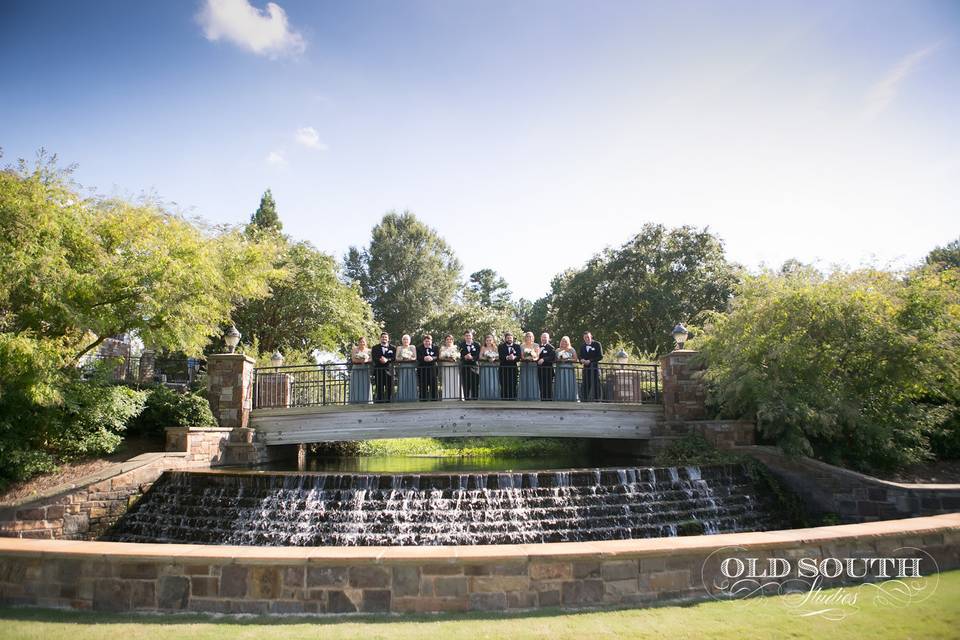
111 576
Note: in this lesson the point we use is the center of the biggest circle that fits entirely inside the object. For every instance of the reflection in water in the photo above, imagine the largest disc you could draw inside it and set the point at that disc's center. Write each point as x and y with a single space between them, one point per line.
442 464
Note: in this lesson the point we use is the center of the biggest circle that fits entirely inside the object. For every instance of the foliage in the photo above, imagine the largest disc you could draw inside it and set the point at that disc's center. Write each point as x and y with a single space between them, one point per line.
78 270
49 414
265 218
854 368
694 449
487 288
946 257
481 319
638 291
308 307
407 274
168 408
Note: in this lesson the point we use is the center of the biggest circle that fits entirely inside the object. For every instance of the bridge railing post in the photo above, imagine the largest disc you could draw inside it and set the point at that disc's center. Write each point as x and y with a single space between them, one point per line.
230 388
684 391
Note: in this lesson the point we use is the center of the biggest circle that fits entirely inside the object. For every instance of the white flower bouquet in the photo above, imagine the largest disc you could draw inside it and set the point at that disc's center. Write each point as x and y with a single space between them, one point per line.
564 356
529 354
451 354
490 356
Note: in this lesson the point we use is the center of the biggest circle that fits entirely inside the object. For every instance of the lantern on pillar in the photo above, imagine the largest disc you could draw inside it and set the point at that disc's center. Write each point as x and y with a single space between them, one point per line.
680 335
231 338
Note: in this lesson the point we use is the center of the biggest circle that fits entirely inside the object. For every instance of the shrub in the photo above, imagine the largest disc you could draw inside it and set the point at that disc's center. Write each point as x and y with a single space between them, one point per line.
167 408
854 368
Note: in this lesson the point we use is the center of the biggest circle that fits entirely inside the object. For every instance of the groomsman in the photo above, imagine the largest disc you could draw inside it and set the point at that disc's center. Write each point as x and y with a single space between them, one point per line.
469 371
509 359
548 354
383 356
427 356
591 353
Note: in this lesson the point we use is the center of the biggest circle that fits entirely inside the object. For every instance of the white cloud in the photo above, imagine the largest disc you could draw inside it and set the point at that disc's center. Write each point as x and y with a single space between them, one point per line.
265 33
308 137
884 92
276 159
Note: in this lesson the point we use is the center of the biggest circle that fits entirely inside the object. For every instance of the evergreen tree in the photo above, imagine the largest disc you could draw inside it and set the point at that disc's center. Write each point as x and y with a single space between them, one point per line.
265 218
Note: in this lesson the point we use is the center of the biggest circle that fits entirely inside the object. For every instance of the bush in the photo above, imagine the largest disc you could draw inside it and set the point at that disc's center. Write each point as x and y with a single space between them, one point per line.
857 369
93 418
167 408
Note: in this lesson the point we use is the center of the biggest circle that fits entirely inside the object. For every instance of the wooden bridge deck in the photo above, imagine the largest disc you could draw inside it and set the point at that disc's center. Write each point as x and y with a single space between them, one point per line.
303 425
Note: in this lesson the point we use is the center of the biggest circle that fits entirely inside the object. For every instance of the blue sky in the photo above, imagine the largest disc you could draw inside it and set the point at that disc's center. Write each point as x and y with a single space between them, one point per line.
825 131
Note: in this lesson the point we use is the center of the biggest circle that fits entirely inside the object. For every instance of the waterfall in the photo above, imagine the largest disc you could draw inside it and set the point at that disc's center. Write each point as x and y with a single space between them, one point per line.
266 509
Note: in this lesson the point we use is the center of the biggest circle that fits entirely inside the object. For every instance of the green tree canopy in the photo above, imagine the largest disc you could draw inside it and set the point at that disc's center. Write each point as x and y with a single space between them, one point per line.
637 292
78 270
309 307
481 319
266 218
407 274
858 368
487 288
946 257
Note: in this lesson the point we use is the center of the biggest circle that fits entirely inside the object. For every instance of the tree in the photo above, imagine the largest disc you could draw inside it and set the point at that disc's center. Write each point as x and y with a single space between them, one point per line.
639 291
858 368
265 218
308 308
78 270
407 274
480 319
488 289
947 257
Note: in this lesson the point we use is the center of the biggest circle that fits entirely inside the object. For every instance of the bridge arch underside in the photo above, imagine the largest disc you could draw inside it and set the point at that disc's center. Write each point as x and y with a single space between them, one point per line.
307 425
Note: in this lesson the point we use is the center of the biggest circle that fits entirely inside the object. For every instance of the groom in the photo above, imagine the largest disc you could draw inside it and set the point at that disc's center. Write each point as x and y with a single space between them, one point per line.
383 356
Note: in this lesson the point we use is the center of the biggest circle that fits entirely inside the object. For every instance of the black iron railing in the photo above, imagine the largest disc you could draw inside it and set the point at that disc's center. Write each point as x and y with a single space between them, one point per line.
137 370
344 383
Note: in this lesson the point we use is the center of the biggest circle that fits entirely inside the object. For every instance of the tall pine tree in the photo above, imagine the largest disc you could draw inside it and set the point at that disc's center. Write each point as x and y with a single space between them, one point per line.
265 217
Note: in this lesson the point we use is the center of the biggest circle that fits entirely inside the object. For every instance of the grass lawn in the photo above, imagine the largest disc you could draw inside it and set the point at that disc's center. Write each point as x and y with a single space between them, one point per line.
937 617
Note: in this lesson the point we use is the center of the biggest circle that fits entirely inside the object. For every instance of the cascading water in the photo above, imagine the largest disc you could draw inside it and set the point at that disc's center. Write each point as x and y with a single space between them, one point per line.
481 508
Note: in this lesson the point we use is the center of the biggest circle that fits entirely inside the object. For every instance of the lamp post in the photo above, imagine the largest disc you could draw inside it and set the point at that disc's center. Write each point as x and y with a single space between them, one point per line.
622 357
680 335
232 339
276 359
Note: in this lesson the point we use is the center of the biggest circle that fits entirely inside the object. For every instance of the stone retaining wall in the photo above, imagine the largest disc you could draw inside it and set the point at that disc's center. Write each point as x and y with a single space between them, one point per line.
86 509
852 496
128 577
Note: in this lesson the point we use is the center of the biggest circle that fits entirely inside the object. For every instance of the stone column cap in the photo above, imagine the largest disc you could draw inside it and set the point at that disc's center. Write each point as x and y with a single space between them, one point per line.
231 356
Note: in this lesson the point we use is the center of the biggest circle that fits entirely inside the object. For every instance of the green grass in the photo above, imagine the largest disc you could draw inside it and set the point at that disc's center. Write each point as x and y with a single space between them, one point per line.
936 617
479 447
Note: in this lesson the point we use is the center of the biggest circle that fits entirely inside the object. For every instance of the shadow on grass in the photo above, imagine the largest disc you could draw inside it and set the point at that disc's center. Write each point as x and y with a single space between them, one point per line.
69 616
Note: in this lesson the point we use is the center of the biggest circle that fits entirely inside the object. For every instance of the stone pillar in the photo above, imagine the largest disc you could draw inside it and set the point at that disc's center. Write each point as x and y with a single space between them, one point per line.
230 388
148 363
684 392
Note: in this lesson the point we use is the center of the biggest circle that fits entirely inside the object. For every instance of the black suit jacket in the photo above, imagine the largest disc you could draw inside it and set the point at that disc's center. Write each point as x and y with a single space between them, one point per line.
548 353
594 353
474 350
389 352
422 352
505 350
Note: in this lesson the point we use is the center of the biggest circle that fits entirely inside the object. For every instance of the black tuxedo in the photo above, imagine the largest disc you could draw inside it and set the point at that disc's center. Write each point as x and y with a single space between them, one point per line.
383 371
508 370
545 371
469 371
591 372
427 372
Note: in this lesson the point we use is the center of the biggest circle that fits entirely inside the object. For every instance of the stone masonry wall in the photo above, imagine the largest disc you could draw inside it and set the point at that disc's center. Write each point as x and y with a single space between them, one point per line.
684 394
113 577
230 388
852 496
86 510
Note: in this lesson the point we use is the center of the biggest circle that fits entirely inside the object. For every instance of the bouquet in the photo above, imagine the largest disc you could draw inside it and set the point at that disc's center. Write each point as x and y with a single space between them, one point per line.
363 356
529 354
450 355
490 356
406 354
565 356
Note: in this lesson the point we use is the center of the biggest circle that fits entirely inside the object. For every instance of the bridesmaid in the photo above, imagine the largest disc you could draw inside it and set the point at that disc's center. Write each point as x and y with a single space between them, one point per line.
565 382
406 371
489 369
360 373
529 377
450 370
